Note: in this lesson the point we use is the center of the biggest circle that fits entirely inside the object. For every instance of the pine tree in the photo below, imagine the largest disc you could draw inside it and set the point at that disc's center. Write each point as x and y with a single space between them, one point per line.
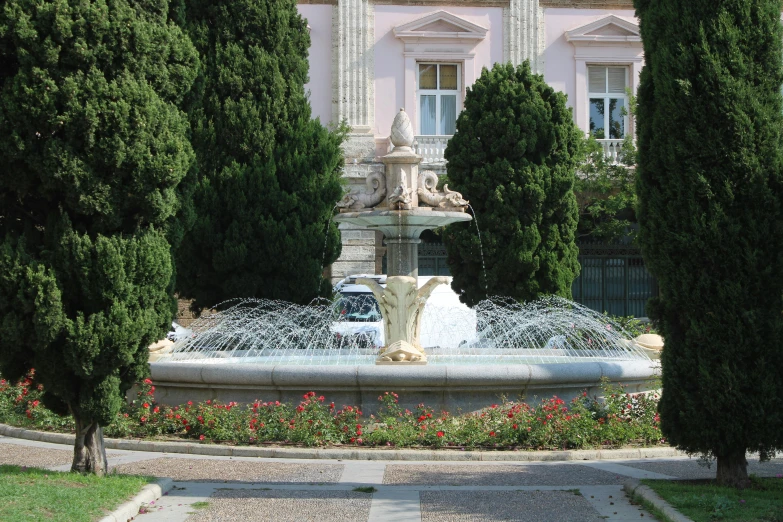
710 195
513 156
93 148
268 175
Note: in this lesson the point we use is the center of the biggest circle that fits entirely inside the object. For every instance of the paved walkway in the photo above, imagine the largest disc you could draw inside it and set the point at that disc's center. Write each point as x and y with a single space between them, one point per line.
267 489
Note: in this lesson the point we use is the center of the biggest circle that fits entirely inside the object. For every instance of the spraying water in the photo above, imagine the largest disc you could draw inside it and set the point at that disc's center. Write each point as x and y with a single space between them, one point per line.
326 237
347 330
481 250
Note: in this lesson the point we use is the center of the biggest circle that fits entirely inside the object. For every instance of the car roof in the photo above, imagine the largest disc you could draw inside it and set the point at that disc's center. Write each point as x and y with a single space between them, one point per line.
349 286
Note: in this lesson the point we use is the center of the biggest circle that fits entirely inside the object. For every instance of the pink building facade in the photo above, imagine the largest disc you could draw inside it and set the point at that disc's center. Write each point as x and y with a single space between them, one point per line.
370 58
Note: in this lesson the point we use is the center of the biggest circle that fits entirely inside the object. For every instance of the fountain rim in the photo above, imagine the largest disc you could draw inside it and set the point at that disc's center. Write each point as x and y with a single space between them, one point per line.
422 377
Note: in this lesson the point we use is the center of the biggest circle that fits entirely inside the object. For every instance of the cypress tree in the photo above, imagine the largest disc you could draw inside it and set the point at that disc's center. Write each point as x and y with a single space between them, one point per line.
711 215
513 156
268 175
93 148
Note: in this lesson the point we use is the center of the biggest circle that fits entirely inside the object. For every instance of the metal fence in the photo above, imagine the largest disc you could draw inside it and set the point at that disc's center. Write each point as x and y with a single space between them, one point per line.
613 278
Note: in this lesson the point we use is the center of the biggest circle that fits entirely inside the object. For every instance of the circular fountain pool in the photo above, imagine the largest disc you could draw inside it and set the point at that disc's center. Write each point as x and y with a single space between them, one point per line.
278 351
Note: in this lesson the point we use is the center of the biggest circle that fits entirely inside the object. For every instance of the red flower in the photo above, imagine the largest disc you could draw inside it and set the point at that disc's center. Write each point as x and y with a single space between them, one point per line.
439 434
145 405
156 410
491 433
190 403
201 437
147 381
515 426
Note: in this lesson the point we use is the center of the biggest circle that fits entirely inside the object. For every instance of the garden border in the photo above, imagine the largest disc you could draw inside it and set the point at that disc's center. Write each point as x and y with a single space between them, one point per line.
130 509
218 450
636 490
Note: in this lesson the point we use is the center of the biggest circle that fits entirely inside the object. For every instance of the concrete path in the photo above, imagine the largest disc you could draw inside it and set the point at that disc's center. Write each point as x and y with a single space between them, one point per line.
210 488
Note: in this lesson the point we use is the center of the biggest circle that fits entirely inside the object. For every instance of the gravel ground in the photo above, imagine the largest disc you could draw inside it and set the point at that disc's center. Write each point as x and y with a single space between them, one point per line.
690 469
219 470
518 475
285 506
525 506
20 455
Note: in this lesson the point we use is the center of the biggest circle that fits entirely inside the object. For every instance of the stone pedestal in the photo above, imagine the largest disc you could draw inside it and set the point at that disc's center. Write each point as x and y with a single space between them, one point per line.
390 205
402 169
402 256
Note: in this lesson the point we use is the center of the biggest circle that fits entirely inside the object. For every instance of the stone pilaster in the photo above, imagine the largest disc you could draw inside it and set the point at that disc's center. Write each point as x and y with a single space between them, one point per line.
523 33
353 78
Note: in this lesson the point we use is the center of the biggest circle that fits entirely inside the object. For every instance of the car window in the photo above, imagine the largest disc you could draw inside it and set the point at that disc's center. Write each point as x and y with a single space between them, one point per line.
356 306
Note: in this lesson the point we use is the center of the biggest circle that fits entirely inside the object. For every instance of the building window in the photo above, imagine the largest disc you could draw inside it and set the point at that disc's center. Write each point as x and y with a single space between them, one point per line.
608 101
439 98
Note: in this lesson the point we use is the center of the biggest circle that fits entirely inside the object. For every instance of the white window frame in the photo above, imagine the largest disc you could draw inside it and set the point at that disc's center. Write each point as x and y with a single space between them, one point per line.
607 96
438 93
423 44
594 45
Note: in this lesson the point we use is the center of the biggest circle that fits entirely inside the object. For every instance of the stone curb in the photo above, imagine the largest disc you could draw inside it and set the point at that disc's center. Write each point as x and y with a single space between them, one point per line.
636 489
149 493
350 454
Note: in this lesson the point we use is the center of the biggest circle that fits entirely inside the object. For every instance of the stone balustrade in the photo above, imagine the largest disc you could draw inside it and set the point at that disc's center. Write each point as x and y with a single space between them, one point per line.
612 149
431 148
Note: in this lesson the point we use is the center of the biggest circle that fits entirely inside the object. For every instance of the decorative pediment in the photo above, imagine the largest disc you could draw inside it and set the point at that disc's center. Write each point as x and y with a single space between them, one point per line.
440 27
608 30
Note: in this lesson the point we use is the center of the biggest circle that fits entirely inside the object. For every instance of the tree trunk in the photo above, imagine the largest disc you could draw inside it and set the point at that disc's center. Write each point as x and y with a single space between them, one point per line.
733 470
89 453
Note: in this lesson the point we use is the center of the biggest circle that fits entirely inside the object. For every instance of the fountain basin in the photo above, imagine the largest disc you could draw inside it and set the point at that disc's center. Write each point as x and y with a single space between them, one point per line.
449 387
402 223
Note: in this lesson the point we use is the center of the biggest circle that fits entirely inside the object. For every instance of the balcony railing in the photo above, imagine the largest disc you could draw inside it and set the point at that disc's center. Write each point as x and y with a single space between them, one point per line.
431 148
612 149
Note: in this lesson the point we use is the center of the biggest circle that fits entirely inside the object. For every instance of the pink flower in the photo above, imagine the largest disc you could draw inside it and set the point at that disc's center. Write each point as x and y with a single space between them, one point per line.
201 437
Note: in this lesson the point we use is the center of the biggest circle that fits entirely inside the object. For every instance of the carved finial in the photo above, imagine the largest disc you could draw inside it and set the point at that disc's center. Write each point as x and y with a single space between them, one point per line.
402 130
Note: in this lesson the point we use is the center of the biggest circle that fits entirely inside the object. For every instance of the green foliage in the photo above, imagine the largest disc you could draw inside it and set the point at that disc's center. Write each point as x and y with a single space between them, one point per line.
631 324
710 190
513 156
606 194
268 176
93 147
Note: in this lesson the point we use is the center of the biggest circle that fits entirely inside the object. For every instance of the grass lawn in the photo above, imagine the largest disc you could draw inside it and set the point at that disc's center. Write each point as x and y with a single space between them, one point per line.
39 494
703 500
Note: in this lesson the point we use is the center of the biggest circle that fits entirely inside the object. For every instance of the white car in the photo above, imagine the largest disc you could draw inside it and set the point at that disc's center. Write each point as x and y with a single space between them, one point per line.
446 322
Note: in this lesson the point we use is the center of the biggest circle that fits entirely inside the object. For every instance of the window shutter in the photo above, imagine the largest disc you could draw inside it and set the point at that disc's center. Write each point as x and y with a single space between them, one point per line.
617 80
596 79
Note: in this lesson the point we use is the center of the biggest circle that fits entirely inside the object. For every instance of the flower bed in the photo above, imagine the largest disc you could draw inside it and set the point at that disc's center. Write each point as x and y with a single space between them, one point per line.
585 422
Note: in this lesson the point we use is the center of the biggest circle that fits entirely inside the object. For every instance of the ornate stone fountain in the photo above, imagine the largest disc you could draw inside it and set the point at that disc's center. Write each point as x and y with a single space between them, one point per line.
402 203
